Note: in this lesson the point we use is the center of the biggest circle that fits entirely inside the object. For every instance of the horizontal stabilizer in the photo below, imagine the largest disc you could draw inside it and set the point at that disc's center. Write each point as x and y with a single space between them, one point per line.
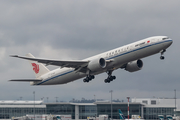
26 80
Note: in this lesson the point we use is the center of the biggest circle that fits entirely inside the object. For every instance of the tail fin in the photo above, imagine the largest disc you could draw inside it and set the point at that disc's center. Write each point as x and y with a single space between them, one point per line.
169 117
121 115
38 68
161 117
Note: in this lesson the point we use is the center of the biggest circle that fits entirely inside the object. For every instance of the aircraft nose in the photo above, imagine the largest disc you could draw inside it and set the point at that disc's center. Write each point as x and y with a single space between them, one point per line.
170 42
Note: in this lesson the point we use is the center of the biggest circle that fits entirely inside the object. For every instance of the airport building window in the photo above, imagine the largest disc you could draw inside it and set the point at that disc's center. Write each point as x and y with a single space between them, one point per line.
61 109
152 113
87 111
153 102
135 109
145 101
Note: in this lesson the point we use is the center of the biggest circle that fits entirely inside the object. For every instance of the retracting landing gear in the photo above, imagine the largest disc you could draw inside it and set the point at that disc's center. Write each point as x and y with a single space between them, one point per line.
162 57
88 78
110 77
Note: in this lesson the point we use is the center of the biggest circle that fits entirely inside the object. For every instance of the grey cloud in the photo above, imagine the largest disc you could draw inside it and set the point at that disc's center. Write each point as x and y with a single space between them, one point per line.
78 29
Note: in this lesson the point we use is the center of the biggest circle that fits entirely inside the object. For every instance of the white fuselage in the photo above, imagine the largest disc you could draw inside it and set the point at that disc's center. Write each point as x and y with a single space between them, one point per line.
118 58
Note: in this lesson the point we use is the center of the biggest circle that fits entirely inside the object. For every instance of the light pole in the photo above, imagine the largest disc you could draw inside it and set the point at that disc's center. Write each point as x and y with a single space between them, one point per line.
128 106
56 99
34 104
111 104
175 103
47 99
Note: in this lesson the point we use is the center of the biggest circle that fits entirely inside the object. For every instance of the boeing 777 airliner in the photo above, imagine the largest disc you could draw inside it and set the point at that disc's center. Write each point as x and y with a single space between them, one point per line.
127 57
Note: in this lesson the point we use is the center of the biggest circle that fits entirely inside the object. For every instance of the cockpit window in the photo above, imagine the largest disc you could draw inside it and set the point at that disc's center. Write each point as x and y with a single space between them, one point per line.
165 38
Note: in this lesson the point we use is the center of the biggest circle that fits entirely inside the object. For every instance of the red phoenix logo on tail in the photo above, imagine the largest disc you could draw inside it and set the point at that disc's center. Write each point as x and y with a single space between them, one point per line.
35 68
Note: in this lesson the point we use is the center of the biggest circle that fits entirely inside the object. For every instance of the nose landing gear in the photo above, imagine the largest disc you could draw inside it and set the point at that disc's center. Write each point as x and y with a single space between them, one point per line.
162 52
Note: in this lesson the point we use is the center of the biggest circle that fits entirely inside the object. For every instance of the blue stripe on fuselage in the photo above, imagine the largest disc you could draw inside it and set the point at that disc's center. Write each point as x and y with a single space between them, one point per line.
107 59
55 77
138 49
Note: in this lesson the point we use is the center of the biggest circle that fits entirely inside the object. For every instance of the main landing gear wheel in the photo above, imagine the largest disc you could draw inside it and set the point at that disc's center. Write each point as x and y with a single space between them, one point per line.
162 57
110 77
88 78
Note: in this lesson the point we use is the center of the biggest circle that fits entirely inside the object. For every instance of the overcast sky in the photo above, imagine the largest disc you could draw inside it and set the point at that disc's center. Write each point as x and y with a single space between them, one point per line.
76 29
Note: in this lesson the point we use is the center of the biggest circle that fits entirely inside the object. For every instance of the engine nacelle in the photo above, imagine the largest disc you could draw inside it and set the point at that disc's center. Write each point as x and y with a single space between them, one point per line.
97 64
134 66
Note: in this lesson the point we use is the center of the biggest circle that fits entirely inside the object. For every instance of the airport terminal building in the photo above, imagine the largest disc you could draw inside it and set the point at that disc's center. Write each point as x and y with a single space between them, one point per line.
146 108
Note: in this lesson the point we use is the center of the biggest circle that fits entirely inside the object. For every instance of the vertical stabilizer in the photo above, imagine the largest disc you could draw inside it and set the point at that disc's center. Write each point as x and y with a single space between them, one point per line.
38 68
161 117
121 115
169 117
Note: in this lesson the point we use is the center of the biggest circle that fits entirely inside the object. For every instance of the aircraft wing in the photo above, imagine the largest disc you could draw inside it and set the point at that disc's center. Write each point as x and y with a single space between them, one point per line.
26 80
73 64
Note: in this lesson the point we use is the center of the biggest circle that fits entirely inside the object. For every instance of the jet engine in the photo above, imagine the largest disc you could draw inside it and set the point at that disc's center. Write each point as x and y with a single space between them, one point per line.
134 66
97 64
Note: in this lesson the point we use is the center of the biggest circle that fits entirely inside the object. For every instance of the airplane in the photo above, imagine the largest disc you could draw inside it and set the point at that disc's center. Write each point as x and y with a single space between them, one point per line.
127 57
